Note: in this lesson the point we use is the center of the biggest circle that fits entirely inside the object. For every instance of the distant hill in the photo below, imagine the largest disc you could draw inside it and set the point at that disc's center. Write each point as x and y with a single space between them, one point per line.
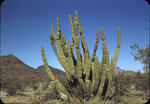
12 69
119 70
10 64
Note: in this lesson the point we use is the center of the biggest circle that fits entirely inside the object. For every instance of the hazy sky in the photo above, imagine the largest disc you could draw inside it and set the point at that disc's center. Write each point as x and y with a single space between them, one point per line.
25 26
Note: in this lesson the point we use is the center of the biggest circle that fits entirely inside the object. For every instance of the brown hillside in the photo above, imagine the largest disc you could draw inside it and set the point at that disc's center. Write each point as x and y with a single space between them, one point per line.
12 65
14 71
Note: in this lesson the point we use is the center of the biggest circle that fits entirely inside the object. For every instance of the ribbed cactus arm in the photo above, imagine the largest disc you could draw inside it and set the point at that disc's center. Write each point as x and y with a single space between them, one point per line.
107 56
72 28
117 50
102 35
75 25
96 74
96 45
102 83
52 41
73 37
87 59
58 40
113 62
70 59
46 64
84 45
60 48
110 73
63 44
58 84
104 66
61 38
79 58
76 43
118 47
73 57
77 18
60 57
119 38
104 47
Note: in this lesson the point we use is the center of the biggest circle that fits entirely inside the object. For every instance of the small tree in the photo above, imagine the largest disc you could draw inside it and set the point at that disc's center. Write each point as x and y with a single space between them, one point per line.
142 55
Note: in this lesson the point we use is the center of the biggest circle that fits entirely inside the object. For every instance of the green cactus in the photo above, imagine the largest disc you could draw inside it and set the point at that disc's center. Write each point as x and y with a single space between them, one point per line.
89 72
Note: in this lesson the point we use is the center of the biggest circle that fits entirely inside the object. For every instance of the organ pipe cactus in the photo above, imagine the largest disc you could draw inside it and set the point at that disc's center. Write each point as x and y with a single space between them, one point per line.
88 71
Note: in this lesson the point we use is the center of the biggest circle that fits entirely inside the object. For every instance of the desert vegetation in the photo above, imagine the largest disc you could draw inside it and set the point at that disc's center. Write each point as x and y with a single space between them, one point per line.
89 79
133 86
86 80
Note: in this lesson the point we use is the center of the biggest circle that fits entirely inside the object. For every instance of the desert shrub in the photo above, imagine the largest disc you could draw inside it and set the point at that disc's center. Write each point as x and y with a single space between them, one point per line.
52 94
31 81
5 81
145 80
121 82
11 82
48 94
35 86
79 92
12 89
142 82
46 84
117 99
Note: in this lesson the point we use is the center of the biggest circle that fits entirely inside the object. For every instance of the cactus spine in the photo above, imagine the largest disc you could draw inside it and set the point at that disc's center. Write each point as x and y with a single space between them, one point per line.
89 72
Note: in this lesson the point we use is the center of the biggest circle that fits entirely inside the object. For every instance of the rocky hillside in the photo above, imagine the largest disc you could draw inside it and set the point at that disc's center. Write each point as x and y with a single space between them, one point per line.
14 71
10 64
18 78
118 70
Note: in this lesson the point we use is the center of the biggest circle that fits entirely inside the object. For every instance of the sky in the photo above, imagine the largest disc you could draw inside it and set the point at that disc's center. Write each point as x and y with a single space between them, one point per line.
25 26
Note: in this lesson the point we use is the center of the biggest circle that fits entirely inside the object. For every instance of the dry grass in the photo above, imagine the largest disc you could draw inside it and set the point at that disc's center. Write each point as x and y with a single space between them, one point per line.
129 99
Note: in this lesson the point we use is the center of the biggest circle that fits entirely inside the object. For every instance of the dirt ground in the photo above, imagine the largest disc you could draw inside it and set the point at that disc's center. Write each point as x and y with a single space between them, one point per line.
28 97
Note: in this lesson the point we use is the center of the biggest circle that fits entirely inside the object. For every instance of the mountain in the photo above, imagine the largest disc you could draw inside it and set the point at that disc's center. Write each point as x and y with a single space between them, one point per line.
11 64
118 70
13 70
